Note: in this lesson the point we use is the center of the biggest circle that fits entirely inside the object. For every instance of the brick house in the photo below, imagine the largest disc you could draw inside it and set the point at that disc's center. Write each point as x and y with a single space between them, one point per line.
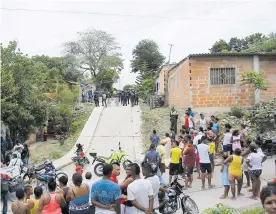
213 80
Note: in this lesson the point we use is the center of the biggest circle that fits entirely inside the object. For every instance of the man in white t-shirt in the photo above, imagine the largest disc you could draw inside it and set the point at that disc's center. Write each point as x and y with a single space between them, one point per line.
204 161
154 180
197 137
140 192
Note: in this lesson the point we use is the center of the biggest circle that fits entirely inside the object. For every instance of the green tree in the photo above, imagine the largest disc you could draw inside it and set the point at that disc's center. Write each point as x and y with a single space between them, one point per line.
257 79
220 46
146 57
95 51
146 88
106 78
23 106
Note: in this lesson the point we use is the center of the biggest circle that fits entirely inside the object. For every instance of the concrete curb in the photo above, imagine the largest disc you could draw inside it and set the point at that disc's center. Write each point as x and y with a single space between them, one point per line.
86 137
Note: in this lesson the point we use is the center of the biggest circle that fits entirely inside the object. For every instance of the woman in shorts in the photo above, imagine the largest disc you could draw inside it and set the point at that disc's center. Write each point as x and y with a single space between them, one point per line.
254 162
235 171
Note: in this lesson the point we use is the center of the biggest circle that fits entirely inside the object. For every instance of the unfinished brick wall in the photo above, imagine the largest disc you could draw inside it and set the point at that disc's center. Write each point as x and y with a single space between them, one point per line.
268 66
178 86
206 95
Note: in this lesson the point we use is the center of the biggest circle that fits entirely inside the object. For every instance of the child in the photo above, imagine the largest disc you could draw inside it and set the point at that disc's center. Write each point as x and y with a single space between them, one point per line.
224 177
212 150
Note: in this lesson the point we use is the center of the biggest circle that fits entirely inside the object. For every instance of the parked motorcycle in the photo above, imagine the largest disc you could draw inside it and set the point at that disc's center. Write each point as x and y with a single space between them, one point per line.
119 156
176 199
80 159
41 174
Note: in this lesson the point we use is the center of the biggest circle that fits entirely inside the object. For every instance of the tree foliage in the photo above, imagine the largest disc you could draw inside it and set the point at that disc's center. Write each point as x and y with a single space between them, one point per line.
106 78
257 79
147 58
30 87
95 52
128 86
254 43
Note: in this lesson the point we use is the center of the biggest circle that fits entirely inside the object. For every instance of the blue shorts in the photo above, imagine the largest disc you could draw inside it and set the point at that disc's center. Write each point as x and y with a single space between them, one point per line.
227 148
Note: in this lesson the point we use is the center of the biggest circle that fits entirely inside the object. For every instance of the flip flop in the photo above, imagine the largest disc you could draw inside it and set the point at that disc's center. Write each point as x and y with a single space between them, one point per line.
252 197
222 197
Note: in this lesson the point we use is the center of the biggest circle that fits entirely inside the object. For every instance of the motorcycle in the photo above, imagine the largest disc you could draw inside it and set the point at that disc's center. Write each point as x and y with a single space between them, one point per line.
175 199
80 159
13 176
119 156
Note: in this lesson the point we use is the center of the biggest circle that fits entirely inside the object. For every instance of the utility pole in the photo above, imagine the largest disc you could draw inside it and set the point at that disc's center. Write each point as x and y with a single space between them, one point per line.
171 45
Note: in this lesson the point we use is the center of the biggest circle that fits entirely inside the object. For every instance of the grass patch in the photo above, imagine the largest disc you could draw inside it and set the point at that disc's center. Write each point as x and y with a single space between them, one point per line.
52 149
158 119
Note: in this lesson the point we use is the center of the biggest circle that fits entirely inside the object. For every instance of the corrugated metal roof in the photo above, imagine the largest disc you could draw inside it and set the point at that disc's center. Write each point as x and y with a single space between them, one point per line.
230 54
220 55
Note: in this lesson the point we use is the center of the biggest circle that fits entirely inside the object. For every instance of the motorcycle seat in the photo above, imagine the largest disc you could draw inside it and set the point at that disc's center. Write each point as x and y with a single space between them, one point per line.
39 168
107 158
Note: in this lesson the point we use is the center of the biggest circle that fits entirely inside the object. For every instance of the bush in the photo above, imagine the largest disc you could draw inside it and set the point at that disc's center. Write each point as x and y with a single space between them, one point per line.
220 209
224 209
237 111
257 210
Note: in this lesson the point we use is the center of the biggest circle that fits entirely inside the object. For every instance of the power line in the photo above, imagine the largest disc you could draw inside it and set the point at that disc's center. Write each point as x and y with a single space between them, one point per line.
121 15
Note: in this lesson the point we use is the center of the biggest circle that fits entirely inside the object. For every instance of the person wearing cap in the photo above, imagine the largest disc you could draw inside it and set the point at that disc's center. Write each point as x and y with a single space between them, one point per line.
202 121
79 169
173 119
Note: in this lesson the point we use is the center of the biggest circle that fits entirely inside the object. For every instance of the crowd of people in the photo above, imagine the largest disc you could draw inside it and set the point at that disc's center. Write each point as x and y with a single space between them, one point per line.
84 196
194 150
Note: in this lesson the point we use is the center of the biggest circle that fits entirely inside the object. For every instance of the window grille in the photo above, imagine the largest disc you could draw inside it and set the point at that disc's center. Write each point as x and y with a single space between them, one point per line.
222 76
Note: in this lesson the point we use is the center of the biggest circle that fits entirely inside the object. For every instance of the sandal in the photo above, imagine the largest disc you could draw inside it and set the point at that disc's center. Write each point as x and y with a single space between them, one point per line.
252 197
222 197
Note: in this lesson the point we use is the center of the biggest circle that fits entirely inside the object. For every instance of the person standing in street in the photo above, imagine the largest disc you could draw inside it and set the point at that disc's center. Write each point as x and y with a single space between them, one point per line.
189 163
153 158
126 205
3 148
154 180
51 202
140 192
4 195
63 180
115 172
33 203
175 161
173 119
162 152
19 207
204 161
44 132
154 138
202 121
90 182
104 99
106 194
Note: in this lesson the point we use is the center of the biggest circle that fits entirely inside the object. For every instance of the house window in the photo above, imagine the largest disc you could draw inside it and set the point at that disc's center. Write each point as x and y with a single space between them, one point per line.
222 76
157 87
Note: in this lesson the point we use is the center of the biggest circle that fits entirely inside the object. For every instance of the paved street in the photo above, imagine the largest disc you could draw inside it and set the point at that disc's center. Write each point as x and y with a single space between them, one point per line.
121 124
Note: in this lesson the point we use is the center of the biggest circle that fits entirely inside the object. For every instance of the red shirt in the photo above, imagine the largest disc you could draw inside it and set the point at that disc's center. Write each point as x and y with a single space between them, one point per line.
113 178
190 156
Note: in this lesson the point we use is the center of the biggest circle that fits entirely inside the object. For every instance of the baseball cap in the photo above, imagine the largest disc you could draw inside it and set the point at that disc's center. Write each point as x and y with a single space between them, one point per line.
79 169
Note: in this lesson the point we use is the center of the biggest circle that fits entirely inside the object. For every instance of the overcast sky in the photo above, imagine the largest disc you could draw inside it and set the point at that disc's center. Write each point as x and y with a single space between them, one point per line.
192 26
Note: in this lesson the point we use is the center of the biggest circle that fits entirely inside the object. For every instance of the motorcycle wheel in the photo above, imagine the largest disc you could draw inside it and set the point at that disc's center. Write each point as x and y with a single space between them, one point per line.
58 175
190 206
126 163
98 169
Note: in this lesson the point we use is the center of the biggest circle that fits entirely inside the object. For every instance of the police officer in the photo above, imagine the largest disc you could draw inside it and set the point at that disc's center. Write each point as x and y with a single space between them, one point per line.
173 119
